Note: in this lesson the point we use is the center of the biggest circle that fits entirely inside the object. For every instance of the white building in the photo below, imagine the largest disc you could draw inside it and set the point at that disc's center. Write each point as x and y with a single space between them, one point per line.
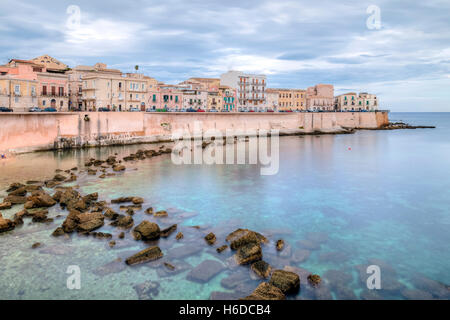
250 89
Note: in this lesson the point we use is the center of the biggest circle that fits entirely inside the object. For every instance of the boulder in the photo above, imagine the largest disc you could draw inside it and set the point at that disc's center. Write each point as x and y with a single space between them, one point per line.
122 200
248 253
314 280
242 237
149 211
137 200
221 248
146 230
118 168
5 205
90 225
36 245
168 231
39 200
266 291
179 236
59 177
6 224
205 271
261 268
19 192
86 217
286 281
146 255
122 221
58 232
161 214
41 216
111 214
210 238
15 199
280 245
14 186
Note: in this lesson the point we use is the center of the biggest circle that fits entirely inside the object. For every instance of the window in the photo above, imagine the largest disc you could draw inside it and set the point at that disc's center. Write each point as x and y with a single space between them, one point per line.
17 89
43 102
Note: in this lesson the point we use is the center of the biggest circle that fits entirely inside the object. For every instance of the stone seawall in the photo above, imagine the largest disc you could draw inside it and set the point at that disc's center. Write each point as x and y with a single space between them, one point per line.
28 132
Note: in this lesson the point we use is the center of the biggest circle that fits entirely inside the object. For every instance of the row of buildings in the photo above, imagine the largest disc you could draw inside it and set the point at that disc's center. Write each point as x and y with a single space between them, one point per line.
45 82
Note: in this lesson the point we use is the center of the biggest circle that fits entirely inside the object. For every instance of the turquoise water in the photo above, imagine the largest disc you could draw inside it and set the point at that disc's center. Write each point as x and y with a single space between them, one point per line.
374 197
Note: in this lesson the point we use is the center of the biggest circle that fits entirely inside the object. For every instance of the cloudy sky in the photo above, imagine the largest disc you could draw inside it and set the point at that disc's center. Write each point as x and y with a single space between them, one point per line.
297 43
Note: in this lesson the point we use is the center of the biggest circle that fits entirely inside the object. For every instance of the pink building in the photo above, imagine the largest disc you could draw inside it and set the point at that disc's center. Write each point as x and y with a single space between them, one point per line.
165 97
52 83
320 98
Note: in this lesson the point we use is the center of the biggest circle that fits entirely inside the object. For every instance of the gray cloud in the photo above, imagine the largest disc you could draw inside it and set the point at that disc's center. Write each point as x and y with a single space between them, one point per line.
296 43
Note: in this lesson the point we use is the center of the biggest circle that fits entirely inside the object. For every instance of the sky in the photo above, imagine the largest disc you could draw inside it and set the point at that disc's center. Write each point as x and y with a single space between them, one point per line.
397 49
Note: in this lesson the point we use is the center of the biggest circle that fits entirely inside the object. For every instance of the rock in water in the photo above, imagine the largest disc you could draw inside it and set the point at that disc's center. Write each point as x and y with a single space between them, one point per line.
248 253
210 238
241 237
179 236
161 214
266 291
221 248
314 280
146 230
205 271
288 282
5 205
261 268
168 231
146 255
122 221
280 245
6 224
147 290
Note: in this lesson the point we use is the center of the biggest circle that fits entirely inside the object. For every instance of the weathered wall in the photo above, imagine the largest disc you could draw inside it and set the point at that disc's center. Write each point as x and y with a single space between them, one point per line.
25 132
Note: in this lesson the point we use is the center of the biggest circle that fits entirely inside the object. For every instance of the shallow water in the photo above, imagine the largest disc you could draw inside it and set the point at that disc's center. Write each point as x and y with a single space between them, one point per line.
347 201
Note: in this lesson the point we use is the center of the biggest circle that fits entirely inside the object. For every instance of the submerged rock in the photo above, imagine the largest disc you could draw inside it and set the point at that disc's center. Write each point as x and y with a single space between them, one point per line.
261 268
210 238
146 230
149 211
266 291
115 266
300 255
147 290
146 255
248 253
286 281
205 271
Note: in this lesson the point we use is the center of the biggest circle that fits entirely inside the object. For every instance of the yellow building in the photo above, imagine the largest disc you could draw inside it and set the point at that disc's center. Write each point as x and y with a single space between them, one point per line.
115 92
291 99
18 94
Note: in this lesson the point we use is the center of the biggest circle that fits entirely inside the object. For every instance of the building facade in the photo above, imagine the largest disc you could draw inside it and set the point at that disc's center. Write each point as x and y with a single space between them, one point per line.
115 92
28 84
250 89
195 99
354 102
165 97
320 98
291 99
272 99
228 96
